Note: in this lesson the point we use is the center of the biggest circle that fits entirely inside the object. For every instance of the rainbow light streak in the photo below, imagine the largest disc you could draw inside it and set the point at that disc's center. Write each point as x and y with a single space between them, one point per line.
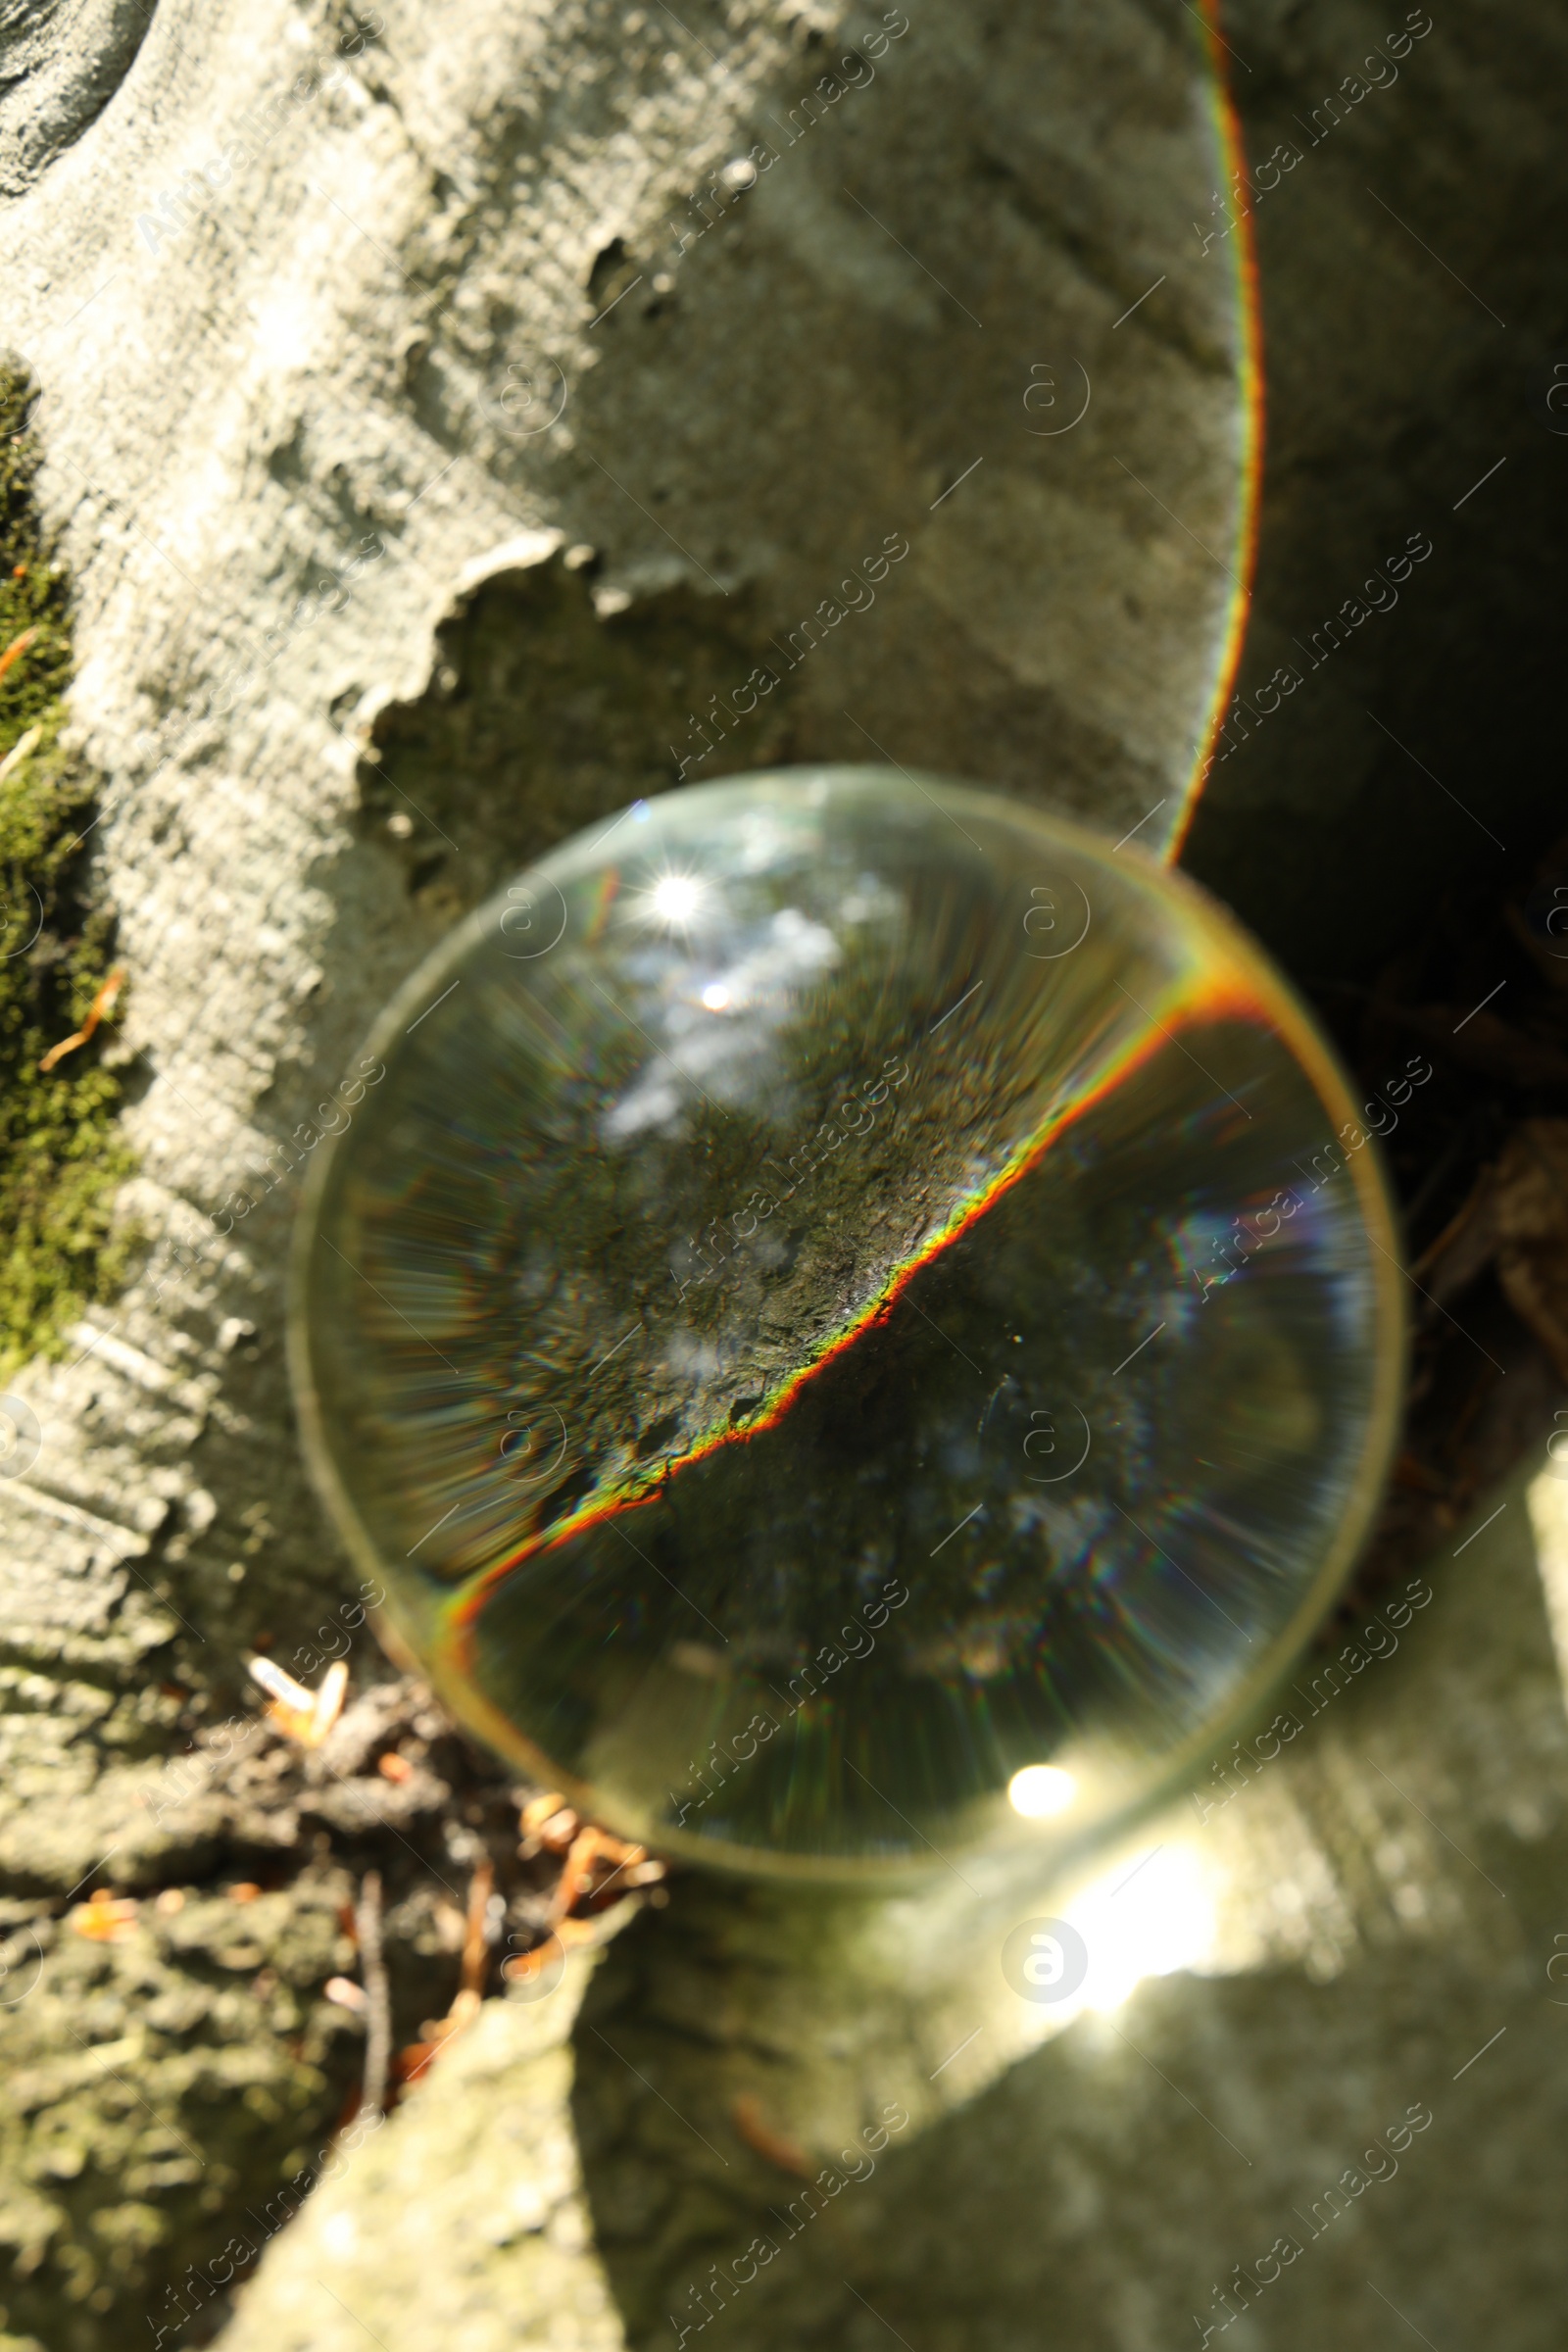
1188 1000
1243 268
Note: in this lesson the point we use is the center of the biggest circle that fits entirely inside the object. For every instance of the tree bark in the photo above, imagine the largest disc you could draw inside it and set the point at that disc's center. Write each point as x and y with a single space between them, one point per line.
436 431
328 309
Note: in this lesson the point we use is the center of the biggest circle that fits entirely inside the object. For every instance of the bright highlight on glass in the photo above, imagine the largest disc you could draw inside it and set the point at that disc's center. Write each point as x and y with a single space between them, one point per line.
854 1346
675 898
1141 1921
1041 1791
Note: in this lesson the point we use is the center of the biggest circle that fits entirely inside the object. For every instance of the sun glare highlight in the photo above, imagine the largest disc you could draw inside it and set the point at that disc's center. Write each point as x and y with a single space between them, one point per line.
1147 1919
674 898
1041 1791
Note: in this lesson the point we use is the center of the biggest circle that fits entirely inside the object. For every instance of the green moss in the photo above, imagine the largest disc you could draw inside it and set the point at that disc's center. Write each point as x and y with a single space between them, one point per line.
62 1154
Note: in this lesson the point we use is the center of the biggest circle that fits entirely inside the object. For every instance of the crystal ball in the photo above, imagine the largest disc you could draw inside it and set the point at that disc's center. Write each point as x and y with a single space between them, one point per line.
856 1324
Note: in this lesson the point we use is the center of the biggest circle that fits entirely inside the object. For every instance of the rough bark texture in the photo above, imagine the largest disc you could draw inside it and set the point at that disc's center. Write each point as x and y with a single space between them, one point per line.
60 63
1089 2186
325 310
492 2244
423 315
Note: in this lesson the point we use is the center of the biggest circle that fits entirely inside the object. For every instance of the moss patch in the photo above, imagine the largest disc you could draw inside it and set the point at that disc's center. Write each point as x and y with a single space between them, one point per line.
62 1155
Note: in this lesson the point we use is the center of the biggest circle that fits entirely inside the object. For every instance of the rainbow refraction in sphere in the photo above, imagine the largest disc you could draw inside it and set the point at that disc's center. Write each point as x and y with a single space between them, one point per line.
848 1291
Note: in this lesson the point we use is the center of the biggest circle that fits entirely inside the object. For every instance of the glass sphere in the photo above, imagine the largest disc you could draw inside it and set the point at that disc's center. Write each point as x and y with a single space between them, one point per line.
849 1299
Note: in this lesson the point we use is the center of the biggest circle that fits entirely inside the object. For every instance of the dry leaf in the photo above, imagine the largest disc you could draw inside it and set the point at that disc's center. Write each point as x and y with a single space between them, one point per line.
104 1918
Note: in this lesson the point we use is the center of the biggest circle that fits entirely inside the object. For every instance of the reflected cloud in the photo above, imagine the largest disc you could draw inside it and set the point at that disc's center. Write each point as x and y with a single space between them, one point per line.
730 1060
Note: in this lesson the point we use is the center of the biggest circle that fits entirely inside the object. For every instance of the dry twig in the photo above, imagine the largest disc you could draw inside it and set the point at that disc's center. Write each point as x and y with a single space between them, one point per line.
377 1993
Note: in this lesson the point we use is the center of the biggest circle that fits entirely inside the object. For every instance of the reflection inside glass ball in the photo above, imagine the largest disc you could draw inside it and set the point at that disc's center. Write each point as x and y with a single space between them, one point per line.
848 1328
